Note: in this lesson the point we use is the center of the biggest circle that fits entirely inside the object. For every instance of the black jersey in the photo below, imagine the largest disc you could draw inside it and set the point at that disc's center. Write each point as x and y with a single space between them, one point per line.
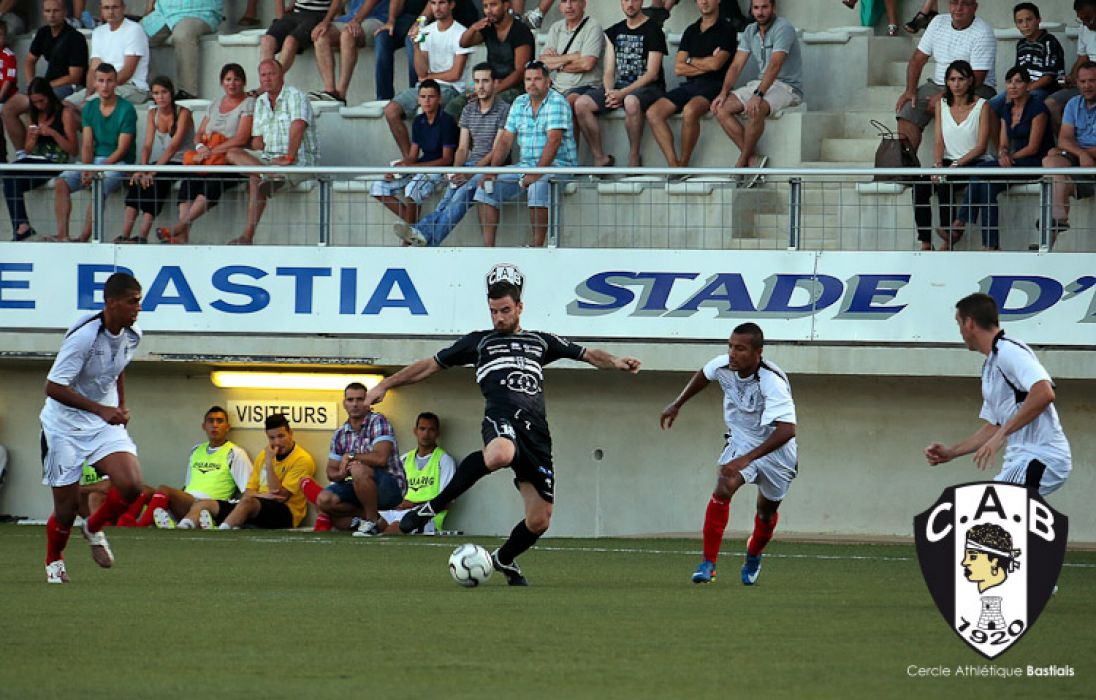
509 366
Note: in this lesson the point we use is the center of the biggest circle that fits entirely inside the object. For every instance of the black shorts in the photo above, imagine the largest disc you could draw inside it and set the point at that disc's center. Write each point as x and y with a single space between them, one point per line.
533 449
682 94
272 515
298 25
210 186
150 200
647 96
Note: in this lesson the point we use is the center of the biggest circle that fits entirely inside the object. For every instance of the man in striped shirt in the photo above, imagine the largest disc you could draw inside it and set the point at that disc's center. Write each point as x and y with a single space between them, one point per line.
294 31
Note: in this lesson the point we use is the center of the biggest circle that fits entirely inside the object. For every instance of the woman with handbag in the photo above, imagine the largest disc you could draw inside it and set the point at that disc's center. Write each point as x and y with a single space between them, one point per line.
52 137
227 125
169 132
1024 139
962 135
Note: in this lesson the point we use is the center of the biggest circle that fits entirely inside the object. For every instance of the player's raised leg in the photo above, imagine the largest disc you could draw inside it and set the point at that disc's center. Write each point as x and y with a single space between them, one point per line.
125 475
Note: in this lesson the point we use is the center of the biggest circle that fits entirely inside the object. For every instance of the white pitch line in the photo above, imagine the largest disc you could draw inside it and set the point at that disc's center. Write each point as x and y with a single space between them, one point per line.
426 541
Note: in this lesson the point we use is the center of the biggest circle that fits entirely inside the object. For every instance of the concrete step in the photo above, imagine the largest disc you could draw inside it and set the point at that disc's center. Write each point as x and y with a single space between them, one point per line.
877 98
896 73
860 150
857 125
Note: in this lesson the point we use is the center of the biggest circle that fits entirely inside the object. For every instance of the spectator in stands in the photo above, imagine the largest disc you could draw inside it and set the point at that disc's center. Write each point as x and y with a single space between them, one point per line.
962 135
295 29
1038 53
109 126
1086 51
729 11
225 127
14 23
869 13
702 56
363 467
184 22
509 45
122 43
428 469
479 124
534 18
349 33
439 57
283 134
541 121
168 134
9 78
66 54
632 80
1024 141
959 36
573 51
51 138
273 497
1076 147
434 138
217 469
923 17
774 46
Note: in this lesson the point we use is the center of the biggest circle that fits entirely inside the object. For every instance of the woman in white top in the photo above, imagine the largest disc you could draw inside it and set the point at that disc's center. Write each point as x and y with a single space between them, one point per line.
962 126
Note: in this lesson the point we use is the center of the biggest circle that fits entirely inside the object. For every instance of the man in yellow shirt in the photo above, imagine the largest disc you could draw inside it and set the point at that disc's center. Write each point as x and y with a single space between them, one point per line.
273 497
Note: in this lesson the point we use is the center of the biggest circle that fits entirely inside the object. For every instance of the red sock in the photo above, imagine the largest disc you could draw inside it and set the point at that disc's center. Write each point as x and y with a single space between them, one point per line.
158 500
56 539
310 489
114 506
134 510
763 532
323 523
715 522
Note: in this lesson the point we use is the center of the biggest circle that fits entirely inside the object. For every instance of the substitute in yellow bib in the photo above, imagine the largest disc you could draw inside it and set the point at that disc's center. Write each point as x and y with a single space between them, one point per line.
429 469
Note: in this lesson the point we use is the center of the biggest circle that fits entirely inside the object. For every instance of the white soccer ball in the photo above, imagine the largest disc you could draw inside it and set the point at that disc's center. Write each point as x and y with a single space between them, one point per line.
470 565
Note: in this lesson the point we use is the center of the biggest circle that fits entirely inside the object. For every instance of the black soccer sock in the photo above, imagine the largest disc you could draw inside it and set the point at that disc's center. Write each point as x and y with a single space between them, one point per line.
471 469
521 539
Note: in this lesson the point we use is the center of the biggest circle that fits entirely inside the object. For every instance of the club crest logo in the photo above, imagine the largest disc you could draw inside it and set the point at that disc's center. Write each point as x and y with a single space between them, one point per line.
991 554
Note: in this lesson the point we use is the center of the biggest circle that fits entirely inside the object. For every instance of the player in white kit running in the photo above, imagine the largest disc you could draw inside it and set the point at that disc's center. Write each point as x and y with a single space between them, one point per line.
1017 405
85 419
761 449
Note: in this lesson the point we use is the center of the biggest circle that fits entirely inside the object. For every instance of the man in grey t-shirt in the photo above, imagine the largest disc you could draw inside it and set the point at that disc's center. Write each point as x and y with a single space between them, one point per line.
479 124
772 42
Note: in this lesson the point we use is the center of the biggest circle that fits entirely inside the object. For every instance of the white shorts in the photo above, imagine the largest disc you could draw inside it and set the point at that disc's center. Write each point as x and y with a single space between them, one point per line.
780 96
394 516
771 476
416 188
1015 471
64 454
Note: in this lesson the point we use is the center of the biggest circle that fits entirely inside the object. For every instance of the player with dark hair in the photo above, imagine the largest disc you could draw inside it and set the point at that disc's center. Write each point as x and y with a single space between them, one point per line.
85 419
509 364
1017 405
760 449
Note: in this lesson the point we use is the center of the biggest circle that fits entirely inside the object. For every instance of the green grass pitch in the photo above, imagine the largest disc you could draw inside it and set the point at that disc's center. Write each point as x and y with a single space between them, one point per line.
253 614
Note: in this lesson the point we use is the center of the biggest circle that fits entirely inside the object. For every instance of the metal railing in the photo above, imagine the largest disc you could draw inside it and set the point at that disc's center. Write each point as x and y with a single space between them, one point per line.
698 208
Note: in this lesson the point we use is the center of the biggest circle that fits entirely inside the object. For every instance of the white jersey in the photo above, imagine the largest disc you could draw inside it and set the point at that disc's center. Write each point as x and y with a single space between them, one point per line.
753 405
89 362
1008 374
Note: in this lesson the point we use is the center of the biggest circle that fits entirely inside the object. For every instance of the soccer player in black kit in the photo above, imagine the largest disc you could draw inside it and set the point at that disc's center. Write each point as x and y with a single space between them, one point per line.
509 364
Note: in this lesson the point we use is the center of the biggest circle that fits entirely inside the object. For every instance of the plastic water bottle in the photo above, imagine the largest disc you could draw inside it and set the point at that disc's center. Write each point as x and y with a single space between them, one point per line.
421 36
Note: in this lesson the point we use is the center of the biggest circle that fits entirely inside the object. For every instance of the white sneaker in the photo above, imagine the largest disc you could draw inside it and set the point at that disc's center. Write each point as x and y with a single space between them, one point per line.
205 520
367 528
163 520
100 548
55 572
186 524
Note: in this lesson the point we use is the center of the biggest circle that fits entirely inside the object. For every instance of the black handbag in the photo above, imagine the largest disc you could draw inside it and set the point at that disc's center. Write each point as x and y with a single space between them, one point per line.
894 151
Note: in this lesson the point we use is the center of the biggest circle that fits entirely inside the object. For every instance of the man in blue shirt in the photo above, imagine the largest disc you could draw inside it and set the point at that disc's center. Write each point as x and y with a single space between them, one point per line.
1076 147
541 121
434 138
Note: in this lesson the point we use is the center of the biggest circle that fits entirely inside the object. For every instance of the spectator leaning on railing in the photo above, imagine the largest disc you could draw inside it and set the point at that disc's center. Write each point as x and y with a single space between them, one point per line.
283 134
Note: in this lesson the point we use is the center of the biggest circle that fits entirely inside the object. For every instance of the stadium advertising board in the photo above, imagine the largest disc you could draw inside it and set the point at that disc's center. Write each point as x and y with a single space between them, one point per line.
636 294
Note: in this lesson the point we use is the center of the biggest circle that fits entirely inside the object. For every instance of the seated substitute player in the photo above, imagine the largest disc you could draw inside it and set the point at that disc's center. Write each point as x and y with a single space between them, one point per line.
273 497
429 469
761 449
85 419
217 470
509 365
1017 405
364 470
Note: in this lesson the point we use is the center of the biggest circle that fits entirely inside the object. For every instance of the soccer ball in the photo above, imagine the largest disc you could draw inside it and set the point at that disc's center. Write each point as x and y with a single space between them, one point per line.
470 565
